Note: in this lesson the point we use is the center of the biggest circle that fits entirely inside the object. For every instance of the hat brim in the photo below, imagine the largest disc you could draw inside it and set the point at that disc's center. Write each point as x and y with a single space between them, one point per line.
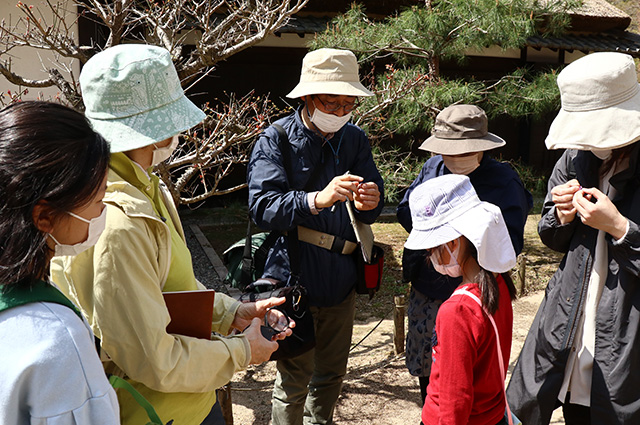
353 88
136 131
607 128
484 226
461 146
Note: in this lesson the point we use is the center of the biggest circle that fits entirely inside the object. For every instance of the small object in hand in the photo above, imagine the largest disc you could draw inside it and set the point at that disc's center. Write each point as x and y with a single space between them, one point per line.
275 321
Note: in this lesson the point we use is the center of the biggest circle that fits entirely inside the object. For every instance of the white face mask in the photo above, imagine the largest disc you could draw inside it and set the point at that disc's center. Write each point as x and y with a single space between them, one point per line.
96 227
602 154
162 154
462 164
452 268
329 123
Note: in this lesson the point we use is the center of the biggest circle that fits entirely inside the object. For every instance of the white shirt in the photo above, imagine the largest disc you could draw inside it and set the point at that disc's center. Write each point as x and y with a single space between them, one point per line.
50 372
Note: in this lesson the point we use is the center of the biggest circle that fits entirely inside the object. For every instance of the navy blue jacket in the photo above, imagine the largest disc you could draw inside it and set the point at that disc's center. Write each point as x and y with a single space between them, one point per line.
278 204
494 182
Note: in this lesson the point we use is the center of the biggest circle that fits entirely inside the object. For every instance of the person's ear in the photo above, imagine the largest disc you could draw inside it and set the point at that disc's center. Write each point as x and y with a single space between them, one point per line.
42 216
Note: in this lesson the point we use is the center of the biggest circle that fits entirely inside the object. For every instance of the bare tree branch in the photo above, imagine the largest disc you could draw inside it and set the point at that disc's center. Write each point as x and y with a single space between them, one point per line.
219 29
24 82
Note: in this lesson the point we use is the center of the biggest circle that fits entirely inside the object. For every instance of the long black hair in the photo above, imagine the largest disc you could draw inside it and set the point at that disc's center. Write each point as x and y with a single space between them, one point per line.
50 153
489 291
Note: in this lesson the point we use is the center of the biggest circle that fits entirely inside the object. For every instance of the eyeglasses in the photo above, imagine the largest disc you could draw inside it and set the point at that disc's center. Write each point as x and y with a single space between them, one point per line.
335 106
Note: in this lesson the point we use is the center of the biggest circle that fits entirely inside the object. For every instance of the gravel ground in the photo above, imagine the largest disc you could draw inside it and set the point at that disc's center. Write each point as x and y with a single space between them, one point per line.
202 267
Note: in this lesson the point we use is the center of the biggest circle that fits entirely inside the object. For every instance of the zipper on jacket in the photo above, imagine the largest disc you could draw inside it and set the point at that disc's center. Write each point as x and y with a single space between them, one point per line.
578 307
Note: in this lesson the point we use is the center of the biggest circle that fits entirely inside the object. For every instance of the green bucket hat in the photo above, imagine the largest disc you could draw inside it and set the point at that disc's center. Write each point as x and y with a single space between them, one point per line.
133 97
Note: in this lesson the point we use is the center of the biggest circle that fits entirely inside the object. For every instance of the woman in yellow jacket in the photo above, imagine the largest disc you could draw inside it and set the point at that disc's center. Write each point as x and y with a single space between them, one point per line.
134 99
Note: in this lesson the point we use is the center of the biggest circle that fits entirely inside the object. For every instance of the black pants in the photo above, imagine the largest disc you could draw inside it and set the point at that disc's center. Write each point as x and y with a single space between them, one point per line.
576 414
215 416
424 381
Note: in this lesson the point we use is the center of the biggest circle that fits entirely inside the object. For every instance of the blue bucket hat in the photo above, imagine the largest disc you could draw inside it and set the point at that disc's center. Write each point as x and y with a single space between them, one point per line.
133 97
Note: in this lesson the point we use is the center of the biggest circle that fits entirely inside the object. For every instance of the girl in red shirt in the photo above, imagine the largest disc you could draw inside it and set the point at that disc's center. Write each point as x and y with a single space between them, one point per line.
467 238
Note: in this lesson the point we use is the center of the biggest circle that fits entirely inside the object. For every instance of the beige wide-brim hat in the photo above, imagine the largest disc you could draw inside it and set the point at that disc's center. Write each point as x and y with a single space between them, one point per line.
600 98
447 207
329 71
461 129
133 97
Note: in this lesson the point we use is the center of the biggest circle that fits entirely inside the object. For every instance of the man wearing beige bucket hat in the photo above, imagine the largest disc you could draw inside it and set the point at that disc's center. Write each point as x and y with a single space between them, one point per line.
331 162
133 97
582 349
461 140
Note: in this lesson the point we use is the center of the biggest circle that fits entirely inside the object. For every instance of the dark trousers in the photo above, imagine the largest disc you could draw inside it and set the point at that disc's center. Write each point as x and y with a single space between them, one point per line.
575 414
215 416
424 382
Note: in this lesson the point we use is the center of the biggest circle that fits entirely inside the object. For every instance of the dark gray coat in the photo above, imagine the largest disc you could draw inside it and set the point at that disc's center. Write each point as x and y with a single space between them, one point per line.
539 372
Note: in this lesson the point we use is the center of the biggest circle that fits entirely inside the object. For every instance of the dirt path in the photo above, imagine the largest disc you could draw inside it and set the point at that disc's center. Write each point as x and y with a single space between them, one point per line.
377 389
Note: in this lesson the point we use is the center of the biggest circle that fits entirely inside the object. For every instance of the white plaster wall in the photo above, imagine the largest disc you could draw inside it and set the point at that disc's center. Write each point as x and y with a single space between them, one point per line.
31 63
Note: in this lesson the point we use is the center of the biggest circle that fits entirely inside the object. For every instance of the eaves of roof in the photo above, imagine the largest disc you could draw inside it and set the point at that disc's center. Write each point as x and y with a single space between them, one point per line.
623 42
305 25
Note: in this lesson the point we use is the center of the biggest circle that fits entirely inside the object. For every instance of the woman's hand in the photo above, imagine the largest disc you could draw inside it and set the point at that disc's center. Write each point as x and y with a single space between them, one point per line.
562 197
261 348
596 210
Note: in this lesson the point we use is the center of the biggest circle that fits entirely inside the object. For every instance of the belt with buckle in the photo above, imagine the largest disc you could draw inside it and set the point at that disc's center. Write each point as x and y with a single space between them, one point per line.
329 242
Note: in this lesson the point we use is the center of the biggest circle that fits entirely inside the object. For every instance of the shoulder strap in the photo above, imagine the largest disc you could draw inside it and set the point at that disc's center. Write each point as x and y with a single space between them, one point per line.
117 382
464 291
40 291
247 259
283 146
292 235
285 149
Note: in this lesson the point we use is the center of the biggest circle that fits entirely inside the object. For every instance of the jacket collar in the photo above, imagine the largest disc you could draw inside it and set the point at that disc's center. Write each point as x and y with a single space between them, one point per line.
587 167
125 185
620 180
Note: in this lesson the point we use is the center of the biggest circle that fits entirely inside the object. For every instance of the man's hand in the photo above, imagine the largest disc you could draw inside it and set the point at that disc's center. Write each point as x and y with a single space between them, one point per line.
248 311
367 196
339 189
596 210
562 197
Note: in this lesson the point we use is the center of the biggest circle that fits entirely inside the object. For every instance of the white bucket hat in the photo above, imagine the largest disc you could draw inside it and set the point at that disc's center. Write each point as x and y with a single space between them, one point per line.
447 207
133 96
461 129
600 104
329 71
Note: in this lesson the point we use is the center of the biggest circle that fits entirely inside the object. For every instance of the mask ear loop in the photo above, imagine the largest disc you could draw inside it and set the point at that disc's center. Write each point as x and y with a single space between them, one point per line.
455 257
72 215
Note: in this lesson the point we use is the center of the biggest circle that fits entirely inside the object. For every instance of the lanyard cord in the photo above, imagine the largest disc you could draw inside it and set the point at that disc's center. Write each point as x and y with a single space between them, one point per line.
335 151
